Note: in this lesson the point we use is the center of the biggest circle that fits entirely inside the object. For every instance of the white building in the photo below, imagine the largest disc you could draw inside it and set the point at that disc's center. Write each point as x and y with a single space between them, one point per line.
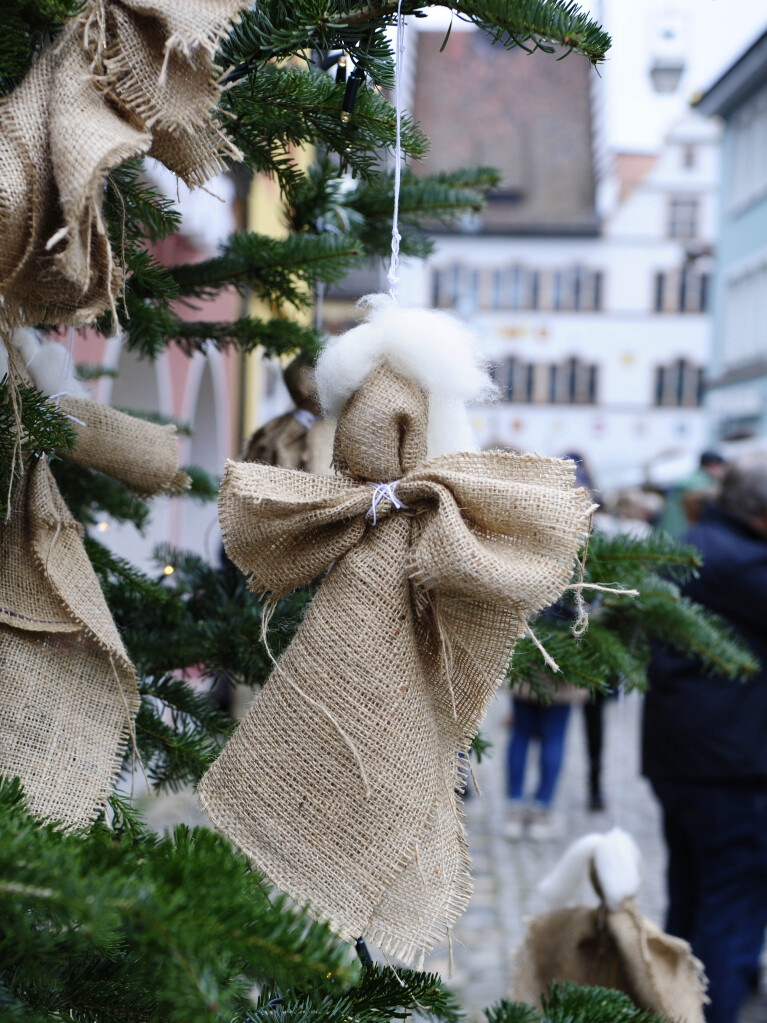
598 338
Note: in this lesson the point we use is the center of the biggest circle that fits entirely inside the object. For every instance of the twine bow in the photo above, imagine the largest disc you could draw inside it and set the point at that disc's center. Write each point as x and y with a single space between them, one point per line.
383 491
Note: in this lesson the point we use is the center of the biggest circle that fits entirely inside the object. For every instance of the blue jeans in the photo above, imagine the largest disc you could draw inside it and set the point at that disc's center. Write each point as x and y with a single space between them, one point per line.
548 724
717 882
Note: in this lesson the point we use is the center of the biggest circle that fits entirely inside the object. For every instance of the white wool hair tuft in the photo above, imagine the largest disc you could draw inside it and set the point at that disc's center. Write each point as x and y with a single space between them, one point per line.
617 863
431 348
48 364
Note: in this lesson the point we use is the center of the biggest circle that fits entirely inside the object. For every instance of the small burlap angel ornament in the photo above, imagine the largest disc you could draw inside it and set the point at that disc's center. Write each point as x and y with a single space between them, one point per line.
341 780
68 693
301 438
125 78
611 945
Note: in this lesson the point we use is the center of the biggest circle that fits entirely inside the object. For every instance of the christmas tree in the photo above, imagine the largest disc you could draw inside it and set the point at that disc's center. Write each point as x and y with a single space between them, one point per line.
109 921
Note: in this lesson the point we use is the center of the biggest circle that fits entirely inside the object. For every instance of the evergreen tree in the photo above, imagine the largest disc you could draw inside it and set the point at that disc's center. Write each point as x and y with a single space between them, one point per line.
115 923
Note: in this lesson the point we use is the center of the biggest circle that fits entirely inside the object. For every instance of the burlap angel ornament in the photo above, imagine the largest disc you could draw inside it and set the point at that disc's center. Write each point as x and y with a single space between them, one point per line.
301 438
68 691
341 780
126 77
611 945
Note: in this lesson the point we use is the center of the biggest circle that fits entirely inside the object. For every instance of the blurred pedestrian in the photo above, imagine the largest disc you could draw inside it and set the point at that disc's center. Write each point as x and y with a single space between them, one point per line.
705 751
594 721
540 714
545 720
684 501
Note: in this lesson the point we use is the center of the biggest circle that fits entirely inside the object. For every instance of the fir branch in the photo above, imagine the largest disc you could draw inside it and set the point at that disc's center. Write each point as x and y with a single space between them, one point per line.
44 431
119 925
567 1003
381 995
29 26
90 495
630 558
278 109
94 371
277 270
275 29
276 336
325 202
512 1012
686 626
178 732
570 1003
203 486
136 209
480 746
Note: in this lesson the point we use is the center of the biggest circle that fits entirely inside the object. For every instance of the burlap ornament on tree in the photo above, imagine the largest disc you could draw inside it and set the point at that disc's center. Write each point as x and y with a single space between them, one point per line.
127 77
301 438
68 693
611 945
341 780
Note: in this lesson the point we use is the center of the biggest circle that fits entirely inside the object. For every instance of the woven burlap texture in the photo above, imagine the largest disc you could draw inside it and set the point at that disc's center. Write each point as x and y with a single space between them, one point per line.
68 693
618 949
127 77
341 780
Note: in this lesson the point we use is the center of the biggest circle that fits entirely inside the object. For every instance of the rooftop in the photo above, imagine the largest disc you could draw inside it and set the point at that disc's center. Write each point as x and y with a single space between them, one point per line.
738 82
529 115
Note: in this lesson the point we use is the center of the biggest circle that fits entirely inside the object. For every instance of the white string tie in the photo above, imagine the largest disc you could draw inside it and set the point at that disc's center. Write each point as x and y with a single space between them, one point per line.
306 418
383 491
396 237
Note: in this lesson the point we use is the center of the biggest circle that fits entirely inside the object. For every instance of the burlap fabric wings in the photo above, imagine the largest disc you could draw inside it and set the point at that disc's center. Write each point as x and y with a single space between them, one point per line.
341 780
68 693
127 77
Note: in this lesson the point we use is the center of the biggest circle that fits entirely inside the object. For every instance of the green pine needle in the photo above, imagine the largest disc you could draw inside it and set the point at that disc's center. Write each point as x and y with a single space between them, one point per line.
44 431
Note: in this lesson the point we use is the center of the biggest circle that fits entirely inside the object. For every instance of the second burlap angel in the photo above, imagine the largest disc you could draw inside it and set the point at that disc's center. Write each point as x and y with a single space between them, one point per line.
341 782
68 690
611 945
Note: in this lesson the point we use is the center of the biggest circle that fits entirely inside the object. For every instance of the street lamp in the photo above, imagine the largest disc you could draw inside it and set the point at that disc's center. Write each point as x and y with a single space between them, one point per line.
666 73
667 62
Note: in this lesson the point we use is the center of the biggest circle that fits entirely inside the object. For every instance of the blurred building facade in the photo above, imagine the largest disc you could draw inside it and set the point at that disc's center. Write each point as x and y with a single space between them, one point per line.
201 392
737 389
595 321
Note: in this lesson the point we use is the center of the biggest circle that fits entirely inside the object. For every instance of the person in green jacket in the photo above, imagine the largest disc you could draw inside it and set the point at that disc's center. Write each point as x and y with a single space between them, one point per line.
675 517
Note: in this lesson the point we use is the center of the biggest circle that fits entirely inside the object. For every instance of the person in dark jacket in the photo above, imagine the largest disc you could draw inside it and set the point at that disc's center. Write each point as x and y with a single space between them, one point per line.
704 751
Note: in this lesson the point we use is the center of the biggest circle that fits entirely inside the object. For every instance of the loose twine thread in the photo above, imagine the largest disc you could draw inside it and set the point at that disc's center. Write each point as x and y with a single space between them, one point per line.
582 621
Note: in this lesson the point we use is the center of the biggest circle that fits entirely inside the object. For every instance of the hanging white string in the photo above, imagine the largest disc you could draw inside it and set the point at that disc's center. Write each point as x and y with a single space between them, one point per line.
66 365
381 491
622 732
395 235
